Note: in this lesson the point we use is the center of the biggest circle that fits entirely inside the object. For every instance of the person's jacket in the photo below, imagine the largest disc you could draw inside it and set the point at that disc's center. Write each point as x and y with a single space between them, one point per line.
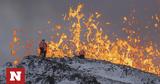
43 45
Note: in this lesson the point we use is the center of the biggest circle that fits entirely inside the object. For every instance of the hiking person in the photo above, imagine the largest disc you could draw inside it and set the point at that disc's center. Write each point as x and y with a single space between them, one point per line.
43 48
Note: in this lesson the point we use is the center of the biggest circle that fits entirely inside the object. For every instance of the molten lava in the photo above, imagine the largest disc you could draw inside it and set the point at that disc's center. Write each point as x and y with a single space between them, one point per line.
86 34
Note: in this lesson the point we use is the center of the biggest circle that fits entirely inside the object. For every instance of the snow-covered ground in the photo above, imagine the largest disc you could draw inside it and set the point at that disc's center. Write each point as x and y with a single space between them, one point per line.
79 71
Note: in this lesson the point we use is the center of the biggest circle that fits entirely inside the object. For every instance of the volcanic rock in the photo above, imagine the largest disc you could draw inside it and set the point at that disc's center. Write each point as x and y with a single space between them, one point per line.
78 71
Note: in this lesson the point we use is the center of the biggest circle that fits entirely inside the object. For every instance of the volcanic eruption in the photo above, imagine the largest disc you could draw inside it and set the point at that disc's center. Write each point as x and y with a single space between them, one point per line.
84 32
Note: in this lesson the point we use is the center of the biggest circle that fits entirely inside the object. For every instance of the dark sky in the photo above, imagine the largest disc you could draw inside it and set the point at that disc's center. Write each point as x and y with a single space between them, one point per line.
32 15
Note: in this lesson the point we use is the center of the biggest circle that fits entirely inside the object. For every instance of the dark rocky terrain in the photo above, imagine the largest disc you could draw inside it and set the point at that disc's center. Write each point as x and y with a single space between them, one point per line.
78 71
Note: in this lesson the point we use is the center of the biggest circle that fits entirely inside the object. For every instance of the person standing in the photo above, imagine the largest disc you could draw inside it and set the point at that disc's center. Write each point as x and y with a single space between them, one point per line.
43 48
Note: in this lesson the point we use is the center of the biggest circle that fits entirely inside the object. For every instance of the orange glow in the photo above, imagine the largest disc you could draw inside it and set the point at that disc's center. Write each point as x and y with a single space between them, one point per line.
14 42
15 62
13 46
99 46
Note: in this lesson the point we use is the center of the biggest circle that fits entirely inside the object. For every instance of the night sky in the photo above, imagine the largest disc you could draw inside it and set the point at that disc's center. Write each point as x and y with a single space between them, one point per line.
29 16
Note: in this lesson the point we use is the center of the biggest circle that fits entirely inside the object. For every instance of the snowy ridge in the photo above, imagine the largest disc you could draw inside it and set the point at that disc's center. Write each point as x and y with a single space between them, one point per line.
79 71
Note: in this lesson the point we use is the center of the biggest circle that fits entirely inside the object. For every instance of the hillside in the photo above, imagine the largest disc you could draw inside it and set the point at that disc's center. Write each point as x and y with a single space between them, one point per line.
79 71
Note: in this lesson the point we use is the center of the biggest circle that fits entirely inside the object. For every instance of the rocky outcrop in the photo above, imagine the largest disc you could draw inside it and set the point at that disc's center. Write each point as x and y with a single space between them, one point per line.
79 71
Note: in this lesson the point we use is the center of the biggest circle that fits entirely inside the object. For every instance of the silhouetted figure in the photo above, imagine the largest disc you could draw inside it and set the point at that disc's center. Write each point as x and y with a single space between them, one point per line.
43 48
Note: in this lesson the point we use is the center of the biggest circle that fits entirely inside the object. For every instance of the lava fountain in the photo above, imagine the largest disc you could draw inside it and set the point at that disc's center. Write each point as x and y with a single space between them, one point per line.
85 33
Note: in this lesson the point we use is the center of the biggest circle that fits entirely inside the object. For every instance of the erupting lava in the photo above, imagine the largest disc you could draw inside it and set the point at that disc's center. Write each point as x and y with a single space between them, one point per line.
86 34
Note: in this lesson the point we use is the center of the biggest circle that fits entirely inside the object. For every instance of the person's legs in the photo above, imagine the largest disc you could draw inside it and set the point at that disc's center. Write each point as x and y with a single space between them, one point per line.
41 51
45 53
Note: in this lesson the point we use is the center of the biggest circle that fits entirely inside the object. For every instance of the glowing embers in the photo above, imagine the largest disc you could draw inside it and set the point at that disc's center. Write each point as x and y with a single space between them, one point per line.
98 46
85 33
